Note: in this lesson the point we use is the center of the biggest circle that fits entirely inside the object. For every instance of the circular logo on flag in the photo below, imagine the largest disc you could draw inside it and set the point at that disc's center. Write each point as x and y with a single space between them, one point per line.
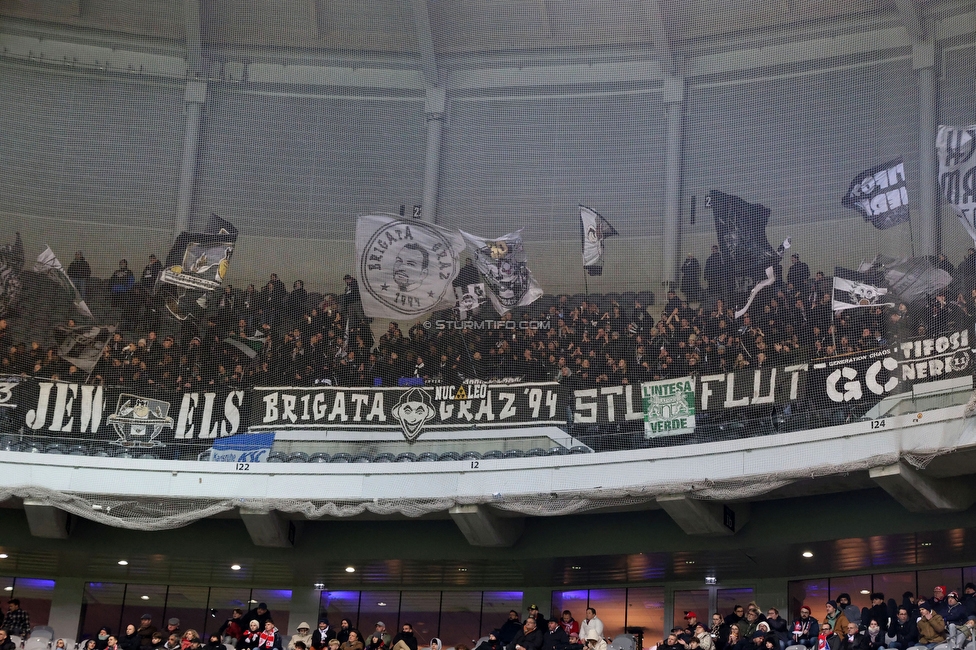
408 267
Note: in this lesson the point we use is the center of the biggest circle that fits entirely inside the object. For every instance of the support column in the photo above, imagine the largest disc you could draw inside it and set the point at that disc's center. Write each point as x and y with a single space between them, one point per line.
674 102
195 98
929 236
304 607
482 528
65 616
434 109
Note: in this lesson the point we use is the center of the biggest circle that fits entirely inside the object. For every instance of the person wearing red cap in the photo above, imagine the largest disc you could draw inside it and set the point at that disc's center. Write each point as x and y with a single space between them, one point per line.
691 618
938 601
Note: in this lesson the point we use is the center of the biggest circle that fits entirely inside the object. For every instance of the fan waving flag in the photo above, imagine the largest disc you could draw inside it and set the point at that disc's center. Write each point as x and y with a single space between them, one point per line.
502 263
593 230
741 230
405 267
49 264
199 260
853 289
880 195
956 146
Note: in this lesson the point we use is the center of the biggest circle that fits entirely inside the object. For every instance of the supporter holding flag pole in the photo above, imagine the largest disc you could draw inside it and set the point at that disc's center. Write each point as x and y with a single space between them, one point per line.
956 147
741 230
49 264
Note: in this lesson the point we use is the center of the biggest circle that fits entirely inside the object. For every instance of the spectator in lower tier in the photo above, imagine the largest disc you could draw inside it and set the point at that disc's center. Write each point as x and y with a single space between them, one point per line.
17 621
5 642
903 630
931 626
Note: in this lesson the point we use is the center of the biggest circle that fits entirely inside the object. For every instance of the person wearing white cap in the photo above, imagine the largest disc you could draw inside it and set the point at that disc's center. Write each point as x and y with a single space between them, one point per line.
304 635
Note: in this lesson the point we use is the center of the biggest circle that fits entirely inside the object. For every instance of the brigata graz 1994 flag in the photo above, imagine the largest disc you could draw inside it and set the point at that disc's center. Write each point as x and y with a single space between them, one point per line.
957 172
405 267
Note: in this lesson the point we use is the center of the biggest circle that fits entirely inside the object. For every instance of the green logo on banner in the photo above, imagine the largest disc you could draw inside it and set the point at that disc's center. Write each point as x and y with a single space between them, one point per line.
669 407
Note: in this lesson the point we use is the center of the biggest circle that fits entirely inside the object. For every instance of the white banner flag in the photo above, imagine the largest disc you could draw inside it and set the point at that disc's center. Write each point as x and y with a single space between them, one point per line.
405 267
594 230
502 263
957 172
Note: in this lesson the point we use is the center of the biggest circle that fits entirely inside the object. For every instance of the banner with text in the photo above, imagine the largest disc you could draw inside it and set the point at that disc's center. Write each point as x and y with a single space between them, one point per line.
669 407
410 410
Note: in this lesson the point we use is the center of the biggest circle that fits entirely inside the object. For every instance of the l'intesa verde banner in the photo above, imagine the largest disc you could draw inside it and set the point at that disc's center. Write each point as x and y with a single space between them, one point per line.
669 407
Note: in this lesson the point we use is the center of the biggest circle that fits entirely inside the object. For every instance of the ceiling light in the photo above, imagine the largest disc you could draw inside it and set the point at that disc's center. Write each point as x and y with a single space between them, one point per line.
8 588
144 597
807 554
252 602
350 569
235 567
123 563
462 569
926 544
689 561
865 591
576 568
381 604
3 556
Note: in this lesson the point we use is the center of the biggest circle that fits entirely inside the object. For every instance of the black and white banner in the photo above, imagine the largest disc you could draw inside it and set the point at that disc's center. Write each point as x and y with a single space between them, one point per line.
405 267
409 410
956 146
503 264
853 289
125 417
594 230
880 195
858 380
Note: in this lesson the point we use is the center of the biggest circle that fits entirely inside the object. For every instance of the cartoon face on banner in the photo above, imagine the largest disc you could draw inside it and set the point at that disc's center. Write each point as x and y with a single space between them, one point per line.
413 411
139 420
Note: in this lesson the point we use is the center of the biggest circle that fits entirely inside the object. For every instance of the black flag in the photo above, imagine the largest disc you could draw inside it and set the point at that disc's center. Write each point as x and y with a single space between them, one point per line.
11 264
880 195
741 230
198 261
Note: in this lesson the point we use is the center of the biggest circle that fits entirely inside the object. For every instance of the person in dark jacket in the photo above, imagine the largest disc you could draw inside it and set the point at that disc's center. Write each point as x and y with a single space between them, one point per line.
234 626
555 637
492 642
903 630
5 642
874 636
954 611
259 614
691 278
146 630
805 630
853 639
322 634
406 636
830 640
131 639
510 628
79 271
528 638
778 629
213 642
877 612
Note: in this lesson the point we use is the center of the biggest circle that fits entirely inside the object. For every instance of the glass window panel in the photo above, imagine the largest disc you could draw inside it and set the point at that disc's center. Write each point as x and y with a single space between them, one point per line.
278 602
35 597
101 604
812 593
968 575
337 605
189 604
611 608
419 608
645 614
927 581
225 600
144 599
382 606
893 585
857 587
573 600
460 618
495 606
727 599
695 600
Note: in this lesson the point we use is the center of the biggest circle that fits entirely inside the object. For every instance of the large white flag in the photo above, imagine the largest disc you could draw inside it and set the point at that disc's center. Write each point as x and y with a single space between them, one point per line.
854 289
502 263
957 172
405 267
594 229
49 264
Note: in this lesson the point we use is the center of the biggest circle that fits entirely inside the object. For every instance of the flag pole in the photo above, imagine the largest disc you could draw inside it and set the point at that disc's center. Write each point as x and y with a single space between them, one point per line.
586 283
911 236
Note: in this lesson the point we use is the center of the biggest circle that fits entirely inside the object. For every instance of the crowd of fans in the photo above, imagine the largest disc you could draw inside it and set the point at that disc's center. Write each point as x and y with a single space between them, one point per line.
297 338
947 615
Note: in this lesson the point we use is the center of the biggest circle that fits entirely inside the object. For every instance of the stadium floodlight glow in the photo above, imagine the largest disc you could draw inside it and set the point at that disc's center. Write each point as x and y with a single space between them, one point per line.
235 567
123 563
350 569
807 554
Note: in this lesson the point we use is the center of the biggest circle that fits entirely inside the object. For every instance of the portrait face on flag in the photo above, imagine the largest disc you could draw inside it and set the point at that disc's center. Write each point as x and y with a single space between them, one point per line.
411 266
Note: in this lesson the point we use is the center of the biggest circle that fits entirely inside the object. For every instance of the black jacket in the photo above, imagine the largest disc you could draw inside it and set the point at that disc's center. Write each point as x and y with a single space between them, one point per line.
531 641
321 639
905 633
130 642
555 639
410 639
508 631
856 642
